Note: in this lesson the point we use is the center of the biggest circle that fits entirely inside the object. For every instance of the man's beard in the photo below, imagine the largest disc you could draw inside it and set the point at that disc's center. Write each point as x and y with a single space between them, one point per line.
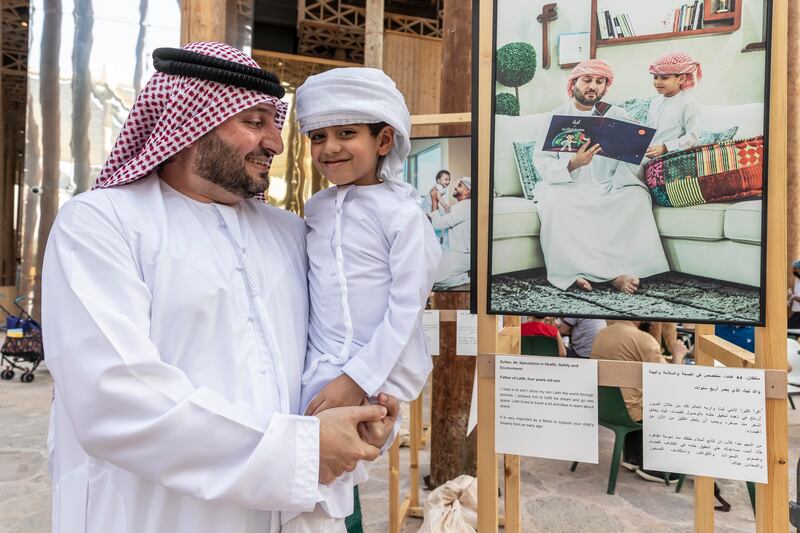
579 96
218 162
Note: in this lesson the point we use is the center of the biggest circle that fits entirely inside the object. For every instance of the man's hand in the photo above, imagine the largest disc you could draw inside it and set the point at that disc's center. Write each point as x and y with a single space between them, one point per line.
376 433
656 150
341 392
340 447
583 156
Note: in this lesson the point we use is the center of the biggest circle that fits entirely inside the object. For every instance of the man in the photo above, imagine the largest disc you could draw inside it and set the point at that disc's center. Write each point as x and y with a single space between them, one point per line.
176 315
666 335
596 216
581 333
455 264
630 341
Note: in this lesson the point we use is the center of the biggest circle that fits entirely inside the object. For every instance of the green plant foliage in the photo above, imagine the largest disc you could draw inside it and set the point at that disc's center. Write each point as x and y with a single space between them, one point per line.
506 104
516 64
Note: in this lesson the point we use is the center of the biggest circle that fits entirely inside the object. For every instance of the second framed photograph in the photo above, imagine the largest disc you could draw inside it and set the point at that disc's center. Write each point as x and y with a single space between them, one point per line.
630 184
439 168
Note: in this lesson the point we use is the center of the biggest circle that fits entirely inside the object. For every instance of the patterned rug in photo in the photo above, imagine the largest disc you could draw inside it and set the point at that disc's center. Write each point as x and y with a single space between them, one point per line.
667 295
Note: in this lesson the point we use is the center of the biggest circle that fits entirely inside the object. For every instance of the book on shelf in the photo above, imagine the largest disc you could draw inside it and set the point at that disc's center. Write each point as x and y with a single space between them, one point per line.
601 24
609 25
612 26
688 17
629 24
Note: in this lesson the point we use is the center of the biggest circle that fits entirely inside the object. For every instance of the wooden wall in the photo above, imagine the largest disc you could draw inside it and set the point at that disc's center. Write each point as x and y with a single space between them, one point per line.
414 63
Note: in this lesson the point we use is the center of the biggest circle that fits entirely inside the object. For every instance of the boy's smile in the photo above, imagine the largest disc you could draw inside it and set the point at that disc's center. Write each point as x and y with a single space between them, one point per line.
349 154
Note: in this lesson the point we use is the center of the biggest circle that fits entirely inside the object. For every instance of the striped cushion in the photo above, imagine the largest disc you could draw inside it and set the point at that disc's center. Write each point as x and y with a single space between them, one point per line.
719 172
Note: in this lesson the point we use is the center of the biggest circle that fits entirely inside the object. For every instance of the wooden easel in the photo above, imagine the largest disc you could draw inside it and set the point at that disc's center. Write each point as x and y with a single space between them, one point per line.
772 512
401 508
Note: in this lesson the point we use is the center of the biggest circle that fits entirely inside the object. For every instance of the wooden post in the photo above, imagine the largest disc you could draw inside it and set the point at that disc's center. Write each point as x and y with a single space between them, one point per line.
452 452
793 116
373 35
487 325
203 20
703 486
772 512
394 487
455 95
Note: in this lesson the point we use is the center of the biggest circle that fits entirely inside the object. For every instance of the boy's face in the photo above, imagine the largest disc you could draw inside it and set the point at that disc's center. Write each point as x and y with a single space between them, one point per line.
349 154
444 179
668 84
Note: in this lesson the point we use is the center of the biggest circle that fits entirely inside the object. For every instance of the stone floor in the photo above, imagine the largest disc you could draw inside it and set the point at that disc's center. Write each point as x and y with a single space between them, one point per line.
553 498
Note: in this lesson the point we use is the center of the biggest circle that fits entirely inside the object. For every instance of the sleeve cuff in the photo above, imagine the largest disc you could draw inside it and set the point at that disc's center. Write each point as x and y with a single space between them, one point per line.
363 375
304 484
672 145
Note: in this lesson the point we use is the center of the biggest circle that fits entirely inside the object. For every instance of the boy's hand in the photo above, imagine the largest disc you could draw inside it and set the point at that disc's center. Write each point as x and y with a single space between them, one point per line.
341 392
374 432
656 150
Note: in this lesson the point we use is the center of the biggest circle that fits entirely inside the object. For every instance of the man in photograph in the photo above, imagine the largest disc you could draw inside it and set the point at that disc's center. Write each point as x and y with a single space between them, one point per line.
596 215
454 267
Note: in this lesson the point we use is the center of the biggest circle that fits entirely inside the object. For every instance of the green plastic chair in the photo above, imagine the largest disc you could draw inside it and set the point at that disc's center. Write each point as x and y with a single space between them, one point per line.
353 522
613 414
539 345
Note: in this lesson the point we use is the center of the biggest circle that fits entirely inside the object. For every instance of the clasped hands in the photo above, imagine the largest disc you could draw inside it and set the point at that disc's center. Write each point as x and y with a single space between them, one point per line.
351 429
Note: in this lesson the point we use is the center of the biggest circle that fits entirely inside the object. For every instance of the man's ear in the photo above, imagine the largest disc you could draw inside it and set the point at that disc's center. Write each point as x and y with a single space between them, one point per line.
385 140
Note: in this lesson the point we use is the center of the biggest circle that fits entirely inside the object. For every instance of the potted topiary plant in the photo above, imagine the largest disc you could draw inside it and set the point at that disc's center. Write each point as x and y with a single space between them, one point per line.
515 65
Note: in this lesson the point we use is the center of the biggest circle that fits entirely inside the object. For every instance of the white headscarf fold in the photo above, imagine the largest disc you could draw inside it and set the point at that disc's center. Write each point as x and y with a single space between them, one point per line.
360 96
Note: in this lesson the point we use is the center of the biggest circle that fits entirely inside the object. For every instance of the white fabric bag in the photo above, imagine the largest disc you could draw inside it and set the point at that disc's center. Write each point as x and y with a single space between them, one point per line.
453 507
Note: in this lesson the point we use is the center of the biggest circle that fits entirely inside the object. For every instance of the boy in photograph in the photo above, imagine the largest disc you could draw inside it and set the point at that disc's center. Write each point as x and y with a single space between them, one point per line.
674 112
372 258
440 195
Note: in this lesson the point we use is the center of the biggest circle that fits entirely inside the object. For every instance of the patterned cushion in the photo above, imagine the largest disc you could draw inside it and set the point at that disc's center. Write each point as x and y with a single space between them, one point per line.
719 172
528 175
637 108
714 137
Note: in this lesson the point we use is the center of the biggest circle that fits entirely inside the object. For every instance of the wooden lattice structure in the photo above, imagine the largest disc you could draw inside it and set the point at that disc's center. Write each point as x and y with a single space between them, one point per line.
14 50
335 29
14 18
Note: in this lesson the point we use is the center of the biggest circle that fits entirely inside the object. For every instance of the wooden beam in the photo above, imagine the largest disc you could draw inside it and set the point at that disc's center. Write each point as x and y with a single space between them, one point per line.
456 61
703 486
203 20
487 324
725 352
441 118
772 513
281 56
793 116
629 373
373 38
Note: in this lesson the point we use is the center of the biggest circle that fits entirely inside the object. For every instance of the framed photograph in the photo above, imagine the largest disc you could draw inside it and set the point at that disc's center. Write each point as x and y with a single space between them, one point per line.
633 185
440 168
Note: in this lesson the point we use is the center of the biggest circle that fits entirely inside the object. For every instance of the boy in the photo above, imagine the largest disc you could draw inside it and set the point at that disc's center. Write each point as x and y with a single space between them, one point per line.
674 113
440 194
372 260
